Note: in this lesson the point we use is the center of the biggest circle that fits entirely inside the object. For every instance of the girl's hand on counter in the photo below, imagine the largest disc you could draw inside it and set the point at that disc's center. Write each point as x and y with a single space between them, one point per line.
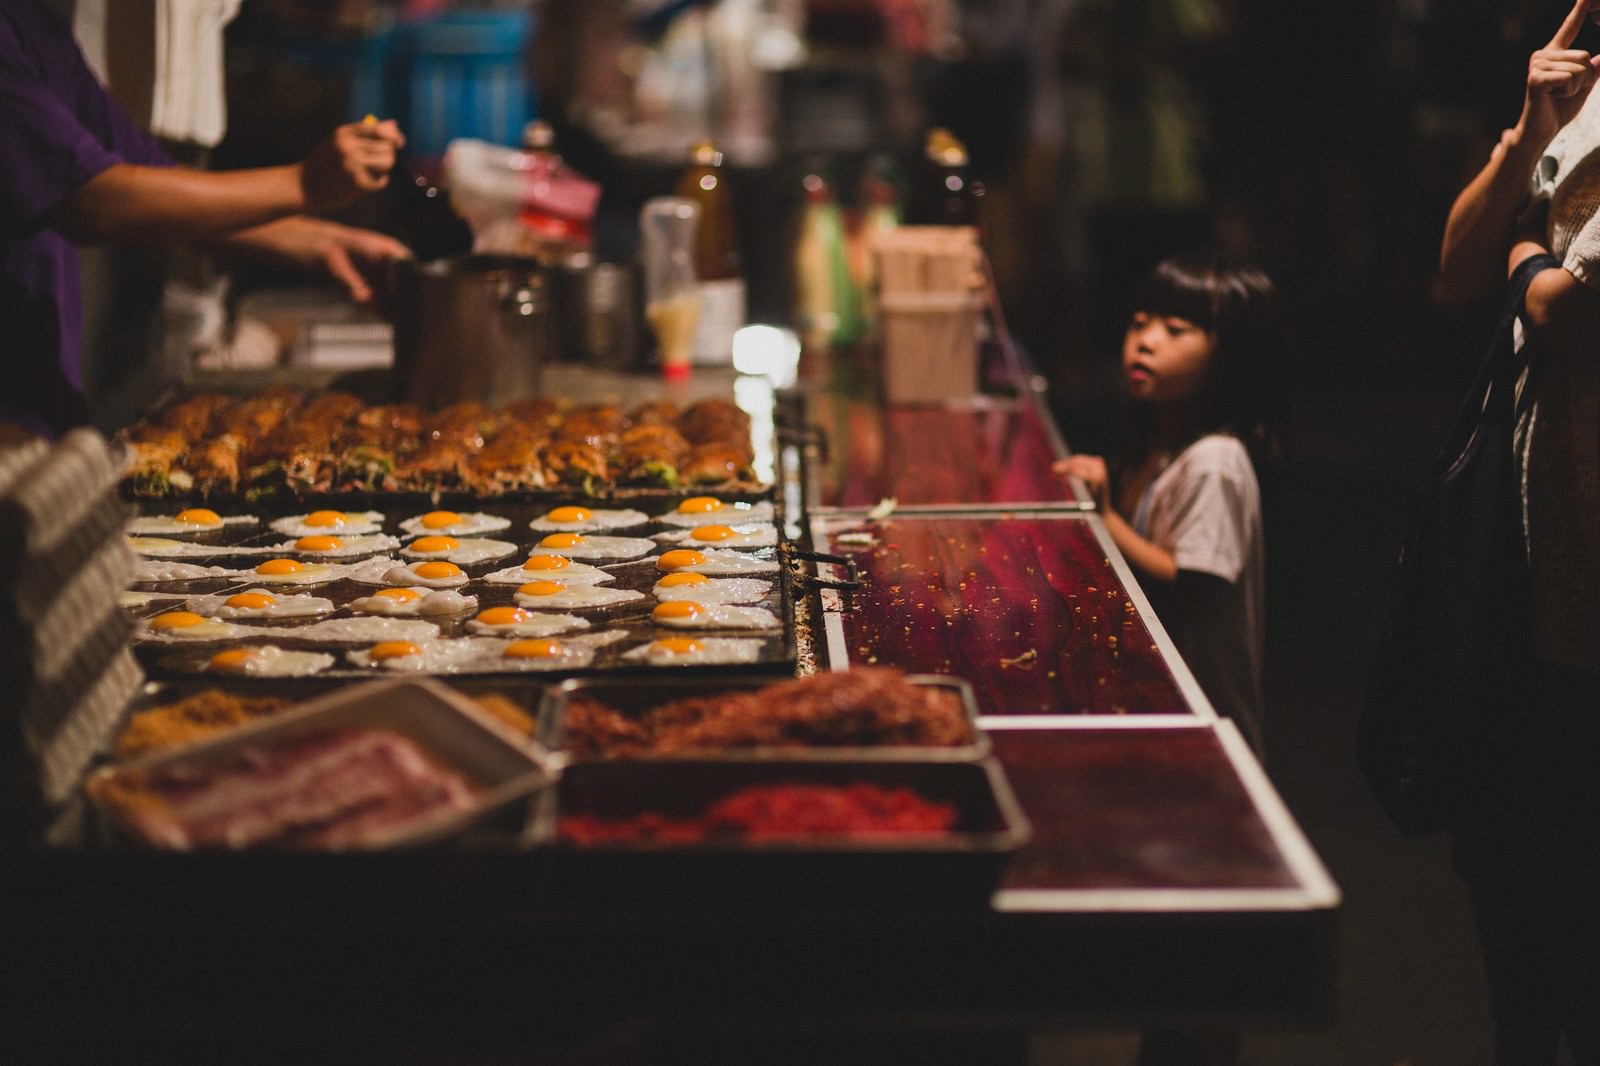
1091 470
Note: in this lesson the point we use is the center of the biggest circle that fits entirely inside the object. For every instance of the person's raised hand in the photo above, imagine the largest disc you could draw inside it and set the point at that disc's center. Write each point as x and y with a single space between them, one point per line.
354 160
1560 77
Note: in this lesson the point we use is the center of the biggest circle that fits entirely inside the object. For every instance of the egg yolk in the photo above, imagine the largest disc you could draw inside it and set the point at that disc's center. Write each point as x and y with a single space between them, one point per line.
680 610
503 616
429 545
547 562
400 595
674 580
440 519
319 543
679 558
329 519
435 570
251 601
232 659
393 649
198 516
569 514
677 646
712 533
561 540
279 566
700 505
175 620
542 588
533 649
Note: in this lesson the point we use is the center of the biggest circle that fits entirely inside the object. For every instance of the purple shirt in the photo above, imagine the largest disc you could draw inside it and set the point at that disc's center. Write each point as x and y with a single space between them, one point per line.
58 129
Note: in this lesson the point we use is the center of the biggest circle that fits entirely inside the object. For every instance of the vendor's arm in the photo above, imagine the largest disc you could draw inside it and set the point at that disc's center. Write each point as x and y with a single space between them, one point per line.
1144 555
1483 219
127 202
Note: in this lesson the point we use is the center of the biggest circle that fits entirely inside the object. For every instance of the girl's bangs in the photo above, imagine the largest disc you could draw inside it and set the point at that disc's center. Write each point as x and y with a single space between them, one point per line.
1180 290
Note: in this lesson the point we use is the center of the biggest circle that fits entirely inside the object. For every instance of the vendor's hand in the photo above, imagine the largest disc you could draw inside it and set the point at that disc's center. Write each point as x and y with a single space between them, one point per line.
345 251
1091 470
1560 77
354 160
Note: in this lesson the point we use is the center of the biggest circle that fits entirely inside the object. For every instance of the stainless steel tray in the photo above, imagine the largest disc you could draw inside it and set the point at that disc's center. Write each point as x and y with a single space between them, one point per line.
445 724
635 697
957 869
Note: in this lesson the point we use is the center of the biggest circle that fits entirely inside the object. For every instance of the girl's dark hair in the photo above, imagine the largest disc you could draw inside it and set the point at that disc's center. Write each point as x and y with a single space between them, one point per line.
1240 307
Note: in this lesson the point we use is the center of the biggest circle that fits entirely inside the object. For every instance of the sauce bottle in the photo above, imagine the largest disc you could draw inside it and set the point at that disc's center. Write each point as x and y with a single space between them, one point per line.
942 192
716 256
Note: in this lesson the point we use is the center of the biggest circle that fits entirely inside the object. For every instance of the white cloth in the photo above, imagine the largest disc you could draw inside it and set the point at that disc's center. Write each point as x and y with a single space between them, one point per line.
187 101
1205 508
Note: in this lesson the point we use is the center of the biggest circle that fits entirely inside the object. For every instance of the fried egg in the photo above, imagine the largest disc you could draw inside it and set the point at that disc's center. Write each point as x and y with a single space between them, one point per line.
454 523
560 596
145 599
168 548
687 585
191 520
463 551
155 571
696 651
363 630
281 571
713 561
587 520
411 602
520 622
268 660
431 573
329 546
337 523
432 657
485 655
582 546
187 625
690 614
708 510
746 536
259 603
550 568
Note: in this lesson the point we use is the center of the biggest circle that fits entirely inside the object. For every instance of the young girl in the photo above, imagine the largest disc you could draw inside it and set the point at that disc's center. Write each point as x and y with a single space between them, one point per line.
1203 359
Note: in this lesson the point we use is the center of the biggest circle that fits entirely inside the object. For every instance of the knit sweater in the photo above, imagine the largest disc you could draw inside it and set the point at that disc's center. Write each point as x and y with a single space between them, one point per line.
1560 453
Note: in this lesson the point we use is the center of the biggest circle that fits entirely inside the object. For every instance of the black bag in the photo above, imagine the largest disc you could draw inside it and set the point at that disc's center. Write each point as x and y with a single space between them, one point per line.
1457 646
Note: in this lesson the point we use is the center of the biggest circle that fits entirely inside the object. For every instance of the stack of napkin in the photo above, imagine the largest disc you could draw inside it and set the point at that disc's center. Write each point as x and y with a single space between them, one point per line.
64 649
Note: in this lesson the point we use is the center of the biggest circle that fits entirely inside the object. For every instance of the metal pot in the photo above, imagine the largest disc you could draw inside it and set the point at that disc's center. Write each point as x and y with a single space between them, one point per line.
470 328
595 312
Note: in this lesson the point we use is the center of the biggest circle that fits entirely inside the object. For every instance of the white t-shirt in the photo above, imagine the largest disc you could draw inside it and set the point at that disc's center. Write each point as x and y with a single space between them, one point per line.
1205 508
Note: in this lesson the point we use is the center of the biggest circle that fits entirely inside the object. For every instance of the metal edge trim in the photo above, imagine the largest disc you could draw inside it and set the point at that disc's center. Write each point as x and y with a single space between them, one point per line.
1286 832
1019 722
1159 900
1187 685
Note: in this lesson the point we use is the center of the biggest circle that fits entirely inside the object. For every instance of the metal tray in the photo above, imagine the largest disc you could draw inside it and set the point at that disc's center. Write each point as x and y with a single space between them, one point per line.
634 697
527 695
442 722
959 869
166 660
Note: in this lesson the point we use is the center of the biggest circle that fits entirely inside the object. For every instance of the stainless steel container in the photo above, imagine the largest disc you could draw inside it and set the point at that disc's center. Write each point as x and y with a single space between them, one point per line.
471 327
596 316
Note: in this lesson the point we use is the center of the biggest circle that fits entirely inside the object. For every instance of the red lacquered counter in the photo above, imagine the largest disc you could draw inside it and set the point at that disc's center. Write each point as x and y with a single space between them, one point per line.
1033 608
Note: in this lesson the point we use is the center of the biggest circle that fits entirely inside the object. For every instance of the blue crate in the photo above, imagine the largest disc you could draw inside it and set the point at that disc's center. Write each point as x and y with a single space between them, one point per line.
462 74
